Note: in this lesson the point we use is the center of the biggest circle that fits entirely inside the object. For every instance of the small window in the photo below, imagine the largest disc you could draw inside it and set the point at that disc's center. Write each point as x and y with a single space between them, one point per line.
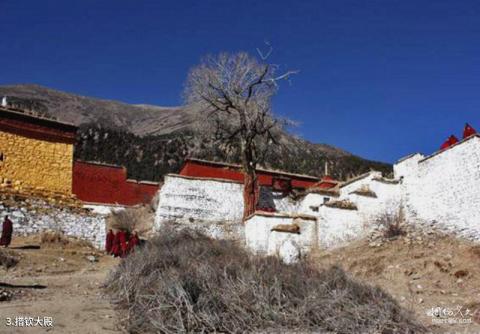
1 156
326 199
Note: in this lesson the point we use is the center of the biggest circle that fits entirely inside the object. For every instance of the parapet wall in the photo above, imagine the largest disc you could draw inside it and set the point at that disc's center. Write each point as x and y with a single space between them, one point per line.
189 199
100 183
34 216
444 188
264 235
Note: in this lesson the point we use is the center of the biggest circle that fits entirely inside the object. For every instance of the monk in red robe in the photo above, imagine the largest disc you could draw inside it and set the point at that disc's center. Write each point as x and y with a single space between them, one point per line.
122 237
452 140
449 142
116 249
109 241
468 131
7 230
133 242
445 145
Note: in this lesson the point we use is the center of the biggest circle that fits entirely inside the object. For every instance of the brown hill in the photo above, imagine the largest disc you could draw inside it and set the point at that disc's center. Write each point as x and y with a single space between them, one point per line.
142 136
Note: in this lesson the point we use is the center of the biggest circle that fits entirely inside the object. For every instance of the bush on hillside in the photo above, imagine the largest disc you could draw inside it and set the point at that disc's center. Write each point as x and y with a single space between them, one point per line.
185 282
7 259
392 225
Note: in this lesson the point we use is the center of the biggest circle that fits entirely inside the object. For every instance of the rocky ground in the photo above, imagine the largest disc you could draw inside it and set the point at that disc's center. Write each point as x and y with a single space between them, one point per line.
72 300
433 275
436 276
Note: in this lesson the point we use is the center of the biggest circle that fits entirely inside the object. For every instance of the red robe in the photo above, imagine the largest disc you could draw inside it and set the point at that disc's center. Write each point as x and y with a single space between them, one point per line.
452 140
468 131
109 242
449 142
446 144
7 230
116 249
122 237
133 242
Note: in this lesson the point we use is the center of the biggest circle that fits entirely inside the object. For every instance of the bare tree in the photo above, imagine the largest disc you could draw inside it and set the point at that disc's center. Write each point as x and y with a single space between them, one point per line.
231 95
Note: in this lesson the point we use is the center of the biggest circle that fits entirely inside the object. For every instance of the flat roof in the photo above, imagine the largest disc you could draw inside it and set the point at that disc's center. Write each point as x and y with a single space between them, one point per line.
272 171
450 147
16 114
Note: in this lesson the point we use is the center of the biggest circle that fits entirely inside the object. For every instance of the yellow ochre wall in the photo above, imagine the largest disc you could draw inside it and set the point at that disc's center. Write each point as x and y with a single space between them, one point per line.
37 163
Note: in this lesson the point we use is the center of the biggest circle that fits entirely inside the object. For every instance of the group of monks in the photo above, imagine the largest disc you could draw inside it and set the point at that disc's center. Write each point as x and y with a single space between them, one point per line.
7 230
468 131
122 243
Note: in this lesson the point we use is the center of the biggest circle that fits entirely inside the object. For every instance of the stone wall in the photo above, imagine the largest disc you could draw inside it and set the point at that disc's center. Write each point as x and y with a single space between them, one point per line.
382 196
444 188
31 216
261 240
338 226
36 163
187 199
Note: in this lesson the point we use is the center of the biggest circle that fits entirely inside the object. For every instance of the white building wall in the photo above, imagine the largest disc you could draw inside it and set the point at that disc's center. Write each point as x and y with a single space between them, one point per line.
261 240
311 203
445 188
355 185
191 199
387 201
336 227
407 167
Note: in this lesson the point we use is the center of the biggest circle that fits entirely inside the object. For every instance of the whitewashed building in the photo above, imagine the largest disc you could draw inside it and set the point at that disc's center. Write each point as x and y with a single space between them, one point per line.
442 189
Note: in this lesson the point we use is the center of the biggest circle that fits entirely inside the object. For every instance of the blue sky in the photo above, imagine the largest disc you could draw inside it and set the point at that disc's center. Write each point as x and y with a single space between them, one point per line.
381 79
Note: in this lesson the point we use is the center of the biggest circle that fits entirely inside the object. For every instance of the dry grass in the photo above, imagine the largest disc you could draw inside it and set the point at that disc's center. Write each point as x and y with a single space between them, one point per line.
186 282
7 259
365 191
392 225
342 204
59 239
139 219
420 275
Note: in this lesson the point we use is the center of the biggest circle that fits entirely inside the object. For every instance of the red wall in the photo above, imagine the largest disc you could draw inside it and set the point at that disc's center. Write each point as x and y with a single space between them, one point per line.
203 169
98 183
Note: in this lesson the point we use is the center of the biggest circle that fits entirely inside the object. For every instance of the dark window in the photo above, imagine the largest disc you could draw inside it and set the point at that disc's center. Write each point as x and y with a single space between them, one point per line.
282 184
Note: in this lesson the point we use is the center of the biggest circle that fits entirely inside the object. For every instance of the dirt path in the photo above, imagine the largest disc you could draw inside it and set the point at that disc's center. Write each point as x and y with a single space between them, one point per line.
73 298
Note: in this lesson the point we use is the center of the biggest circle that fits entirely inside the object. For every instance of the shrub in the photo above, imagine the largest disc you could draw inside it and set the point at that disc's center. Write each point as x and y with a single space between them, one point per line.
392 225
7 260
185 282
342 204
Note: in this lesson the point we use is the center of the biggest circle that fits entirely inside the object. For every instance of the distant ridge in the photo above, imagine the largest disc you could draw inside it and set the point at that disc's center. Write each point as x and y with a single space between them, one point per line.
153 140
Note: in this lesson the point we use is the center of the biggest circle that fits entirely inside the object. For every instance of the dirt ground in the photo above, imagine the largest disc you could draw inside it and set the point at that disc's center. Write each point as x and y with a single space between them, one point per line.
440 273
73 297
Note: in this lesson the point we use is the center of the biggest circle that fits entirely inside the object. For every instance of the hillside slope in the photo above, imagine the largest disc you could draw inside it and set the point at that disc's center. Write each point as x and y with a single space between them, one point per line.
151 140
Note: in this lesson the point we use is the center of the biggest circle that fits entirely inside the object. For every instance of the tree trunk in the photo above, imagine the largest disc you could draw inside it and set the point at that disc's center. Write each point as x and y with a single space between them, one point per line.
250 193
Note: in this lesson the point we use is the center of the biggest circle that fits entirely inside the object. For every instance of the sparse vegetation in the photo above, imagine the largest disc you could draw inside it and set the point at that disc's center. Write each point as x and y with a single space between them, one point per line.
392 225
58 238
186 282
365 191
7 259
152 156
140 219
341 204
